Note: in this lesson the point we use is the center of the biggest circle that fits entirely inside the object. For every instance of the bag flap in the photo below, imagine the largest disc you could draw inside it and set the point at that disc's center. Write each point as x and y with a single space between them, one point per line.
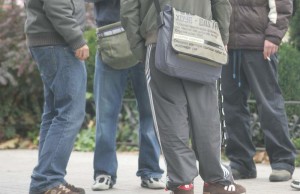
111 29
198 37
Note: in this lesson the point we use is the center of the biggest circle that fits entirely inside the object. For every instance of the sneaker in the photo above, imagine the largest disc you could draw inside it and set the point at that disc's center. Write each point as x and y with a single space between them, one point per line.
237 175
295 184
75 189
102 182
184 189
153 183
280 175
216 188
60 189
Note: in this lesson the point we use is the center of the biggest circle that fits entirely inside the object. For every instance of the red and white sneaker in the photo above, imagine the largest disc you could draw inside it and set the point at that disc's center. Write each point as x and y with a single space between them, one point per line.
184 189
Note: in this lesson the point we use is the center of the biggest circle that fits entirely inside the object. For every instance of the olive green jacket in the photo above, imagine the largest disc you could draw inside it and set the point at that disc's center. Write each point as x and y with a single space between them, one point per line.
139 18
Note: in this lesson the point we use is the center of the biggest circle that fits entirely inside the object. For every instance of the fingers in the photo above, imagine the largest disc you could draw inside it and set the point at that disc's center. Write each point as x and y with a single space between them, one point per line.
269 49
82 53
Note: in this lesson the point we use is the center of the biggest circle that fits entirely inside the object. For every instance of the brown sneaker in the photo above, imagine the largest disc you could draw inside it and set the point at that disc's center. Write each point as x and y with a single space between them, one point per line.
61 189
216 188
75 189
184 189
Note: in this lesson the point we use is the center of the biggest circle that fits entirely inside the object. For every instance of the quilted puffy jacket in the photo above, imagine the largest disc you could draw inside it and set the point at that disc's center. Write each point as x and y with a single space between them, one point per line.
254 21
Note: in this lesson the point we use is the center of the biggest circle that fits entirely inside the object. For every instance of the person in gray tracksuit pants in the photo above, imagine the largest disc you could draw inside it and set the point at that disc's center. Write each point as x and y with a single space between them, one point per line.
182 110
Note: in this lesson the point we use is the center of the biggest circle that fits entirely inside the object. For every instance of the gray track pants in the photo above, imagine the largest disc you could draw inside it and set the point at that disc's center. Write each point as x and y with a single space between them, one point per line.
180 109
253 72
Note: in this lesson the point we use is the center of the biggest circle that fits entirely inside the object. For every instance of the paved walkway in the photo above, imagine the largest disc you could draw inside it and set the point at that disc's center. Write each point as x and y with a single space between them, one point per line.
16 167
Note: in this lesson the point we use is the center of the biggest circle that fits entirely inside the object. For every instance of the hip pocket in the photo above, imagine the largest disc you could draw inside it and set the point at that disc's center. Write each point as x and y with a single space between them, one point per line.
45 60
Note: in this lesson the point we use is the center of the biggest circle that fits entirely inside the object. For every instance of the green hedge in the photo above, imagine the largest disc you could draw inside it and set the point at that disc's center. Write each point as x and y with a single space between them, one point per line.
289 76
295 27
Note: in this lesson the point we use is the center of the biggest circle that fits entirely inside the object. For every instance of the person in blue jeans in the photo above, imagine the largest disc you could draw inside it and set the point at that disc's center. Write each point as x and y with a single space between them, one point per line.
109 87
54 32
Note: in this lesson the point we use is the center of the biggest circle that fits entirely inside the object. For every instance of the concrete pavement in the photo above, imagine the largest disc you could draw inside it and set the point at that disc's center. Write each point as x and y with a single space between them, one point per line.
16 167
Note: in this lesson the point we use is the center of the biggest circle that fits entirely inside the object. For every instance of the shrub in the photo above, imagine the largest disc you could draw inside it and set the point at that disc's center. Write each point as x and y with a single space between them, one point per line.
295 27
20 86
289 76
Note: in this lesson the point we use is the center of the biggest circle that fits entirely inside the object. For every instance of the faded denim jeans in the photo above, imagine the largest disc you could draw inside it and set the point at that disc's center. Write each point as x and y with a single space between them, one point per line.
64 79
109 87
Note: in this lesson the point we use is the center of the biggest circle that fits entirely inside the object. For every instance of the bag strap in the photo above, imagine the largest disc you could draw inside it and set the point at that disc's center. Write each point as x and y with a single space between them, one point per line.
157 6
160 18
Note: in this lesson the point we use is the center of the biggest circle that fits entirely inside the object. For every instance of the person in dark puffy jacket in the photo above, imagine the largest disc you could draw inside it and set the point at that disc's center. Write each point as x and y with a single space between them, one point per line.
256 30
181 108
54 32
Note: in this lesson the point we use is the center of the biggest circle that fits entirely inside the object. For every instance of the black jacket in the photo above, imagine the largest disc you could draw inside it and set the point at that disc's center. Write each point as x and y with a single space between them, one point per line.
106 11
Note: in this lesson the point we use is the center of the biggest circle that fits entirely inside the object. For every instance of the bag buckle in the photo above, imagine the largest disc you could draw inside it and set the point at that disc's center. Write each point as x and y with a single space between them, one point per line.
160 19
110 32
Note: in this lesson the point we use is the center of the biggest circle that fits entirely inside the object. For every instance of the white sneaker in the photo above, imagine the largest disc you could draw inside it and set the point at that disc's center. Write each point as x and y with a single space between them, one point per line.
102 182
295 184
153 183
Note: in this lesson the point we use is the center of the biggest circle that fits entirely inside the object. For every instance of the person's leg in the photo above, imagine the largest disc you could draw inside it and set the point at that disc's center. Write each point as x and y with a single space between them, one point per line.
65 76
47 116
170 114
263 81
149 149
109 85
240 149
205 130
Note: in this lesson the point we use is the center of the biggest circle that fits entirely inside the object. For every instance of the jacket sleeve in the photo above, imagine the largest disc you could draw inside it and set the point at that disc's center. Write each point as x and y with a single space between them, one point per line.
60 14
221 10
279 16
131 22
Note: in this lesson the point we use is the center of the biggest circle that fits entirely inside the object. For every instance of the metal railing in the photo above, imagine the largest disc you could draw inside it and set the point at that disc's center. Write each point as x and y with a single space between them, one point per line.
294 123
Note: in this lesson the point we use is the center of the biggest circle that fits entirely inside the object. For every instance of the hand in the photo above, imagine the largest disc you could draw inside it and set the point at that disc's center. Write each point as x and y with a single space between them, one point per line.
269 49
82 53
225 47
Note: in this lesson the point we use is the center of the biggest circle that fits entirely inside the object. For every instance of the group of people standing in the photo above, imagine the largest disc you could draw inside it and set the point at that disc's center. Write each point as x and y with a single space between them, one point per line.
172 111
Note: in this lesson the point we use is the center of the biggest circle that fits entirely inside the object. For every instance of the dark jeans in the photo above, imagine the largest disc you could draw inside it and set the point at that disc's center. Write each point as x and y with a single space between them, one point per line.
248 70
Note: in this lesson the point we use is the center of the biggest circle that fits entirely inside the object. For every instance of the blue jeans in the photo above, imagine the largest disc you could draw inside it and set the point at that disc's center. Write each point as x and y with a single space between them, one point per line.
64 79
109 86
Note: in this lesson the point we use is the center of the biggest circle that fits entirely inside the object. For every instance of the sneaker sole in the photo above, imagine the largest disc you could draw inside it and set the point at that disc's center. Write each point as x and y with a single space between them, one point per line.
279 179
147 187
101 189
210 193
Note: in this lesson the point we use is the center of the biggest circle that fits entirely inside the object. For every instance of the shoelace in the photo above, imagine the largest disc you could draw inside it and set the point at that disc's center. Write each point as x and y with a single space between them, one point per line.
63 190
102 178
